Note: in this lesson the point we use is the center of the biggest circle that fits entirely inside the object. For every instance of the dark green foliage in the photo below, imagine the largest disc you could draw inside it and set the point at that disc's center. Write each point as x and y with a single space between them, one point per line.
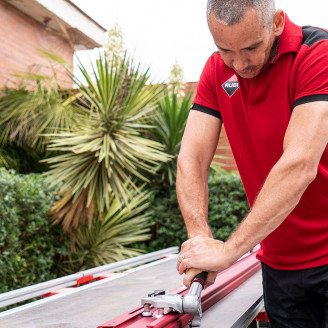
227 207
23 159
29 245
227 203
168 228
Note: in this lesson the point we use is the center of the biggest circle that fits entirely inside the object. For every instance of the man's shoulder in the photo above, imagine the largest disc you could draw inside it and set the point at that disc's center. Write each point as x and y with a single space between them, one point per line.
314 48
313 35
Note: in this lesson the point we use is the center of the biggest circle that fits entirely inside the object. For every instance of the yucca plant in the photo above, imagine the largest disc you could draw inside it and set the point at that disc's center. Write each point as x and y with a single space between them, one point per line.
26 116
109 238
169 122
107 154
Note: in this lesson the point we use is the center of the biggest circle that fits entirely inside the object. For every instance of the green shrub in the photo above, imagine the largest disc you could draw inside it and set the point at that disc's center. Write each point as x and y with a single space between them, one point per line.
29 245
227 207
227 203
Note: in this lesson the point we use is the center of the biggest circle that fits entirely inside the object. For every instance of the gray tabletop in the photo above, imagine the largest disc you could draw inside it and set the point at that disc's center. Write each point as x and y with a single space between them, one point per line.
94 304
238 308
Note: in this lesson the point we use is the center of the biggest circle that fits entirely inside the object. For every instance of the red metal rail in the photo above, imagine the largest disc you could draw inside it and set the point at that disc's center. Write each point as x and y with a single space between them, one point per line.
226 282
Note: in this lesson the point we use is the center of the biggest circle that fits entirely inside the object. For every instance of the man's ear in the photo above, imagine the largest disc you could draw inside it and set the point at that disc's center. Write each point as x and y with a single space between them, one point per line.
278 22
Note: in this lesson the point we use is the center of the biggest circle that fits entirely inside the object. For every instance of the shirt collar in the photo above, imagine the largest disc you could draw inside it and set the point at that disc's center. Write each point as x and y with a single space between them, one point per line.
290 39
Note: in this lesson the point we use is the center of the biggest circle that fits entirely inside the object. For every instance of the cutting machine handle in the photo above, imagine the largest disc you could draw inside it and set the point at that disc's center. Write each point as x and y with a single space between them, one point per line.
201 278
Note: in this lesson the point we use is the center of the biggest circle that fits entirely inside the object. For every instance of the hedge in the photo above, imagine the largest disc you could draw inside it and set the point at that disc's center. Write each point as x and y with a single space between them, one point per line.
227 207
30 245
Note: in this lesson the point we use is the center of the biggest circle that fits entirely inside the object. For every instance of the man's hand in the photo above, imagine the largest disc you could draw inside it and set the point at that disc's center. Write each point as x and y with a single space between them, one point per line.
190 274
203 254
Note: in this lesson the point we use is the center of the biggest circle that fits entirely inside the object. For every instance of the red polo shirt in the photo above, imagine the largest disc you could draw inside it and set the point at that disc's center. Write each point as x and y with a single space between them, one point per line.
256 113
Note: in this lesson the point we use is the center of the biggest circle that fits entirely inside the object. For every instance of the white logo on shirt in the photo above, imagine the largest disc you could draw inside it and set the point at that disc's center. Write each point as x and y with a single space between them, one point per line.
231 85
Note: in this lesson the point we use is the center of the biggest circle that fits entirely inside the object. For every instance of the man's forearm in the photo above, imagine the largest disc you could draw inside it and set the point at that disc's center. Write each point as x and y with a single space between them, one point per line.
192 193
198 147
279 195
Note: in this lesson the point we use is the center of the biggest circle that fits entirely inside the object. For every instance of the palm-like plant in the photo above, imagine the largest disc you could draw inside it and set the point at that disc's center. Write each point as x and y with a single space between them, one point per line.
109 238
38 105
27 115
169 123
107 153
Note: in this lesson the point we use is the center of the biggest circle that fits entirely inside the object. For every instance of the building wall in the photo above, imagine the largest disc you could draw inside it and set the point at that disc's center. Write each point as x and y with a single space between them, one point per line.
20 39
223 156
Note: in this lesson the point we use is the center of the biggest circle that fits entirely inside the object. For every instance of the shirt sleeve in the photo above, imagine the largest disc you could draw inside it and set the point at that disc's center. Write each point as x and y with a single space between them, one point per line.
206 100
312 75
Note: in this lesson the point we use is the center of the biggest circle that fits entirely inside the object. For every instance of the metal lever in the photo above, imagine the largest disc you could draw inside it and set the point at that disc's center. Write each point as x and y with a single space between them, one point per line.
189 303
192 301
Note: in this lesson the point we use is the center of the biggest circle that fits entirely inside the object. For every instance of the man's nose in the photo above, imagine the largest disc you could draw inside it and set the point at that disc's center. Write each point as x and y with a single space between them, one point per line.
239 64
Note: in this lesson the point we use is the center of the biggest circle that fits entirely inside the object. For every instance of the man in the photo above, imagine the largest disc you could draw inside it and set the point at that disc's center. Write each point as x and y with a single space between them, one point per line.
268 83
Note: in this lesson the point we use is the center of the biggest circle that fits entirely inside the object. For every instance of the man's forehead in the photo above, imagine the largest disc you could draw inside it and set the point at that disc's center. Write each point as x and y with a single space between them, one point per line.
239 38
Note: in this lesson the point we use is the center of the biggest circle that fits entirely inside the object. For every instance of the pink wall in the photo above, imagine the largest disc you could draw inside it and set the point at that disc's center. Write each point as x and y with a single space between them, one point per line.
20 39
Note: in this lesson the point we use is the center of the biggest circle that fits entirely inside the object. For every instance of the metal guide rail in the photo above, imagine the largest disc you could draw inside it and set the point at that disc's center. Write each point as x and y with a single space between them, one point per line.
89 305
226 282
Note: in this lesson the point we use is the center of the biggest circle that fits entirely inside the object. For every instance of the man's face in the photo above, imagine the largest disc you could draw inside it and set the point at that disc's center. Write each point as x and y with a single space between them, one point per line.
245 47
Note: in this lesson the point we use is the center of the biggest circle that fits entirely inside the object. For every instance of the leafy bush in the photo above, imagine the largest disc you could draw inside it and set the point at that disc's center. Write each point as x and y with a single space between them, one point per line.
29 245
227 207
227 203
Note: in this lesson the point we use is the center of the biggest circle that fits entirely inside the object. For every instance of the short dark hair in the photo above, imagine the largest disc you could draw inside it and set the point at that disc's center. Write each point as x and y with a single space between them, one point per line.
231 12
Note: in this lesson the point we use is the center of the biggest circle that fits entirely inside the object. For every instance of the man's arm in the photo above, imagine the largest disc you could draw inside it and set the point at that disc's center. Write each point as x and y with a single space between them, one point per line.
304 143
198 147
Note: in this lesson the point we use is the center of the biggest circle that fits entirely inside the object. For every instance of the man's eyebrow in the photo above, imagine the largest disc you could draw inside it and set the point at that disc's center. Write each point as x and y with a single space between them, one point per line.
254 45
221 48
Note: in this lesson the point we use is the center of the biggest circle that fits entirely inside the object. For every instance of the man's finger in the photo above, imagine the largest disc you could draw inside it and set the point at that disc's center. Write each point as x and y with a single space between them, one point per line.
184 265
185 246
181 256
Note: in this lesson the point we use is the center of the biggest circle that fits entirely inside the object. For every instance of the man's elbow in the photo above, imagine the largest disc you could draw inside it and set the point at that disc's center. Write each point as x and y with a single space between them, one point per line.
306 169
187 164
